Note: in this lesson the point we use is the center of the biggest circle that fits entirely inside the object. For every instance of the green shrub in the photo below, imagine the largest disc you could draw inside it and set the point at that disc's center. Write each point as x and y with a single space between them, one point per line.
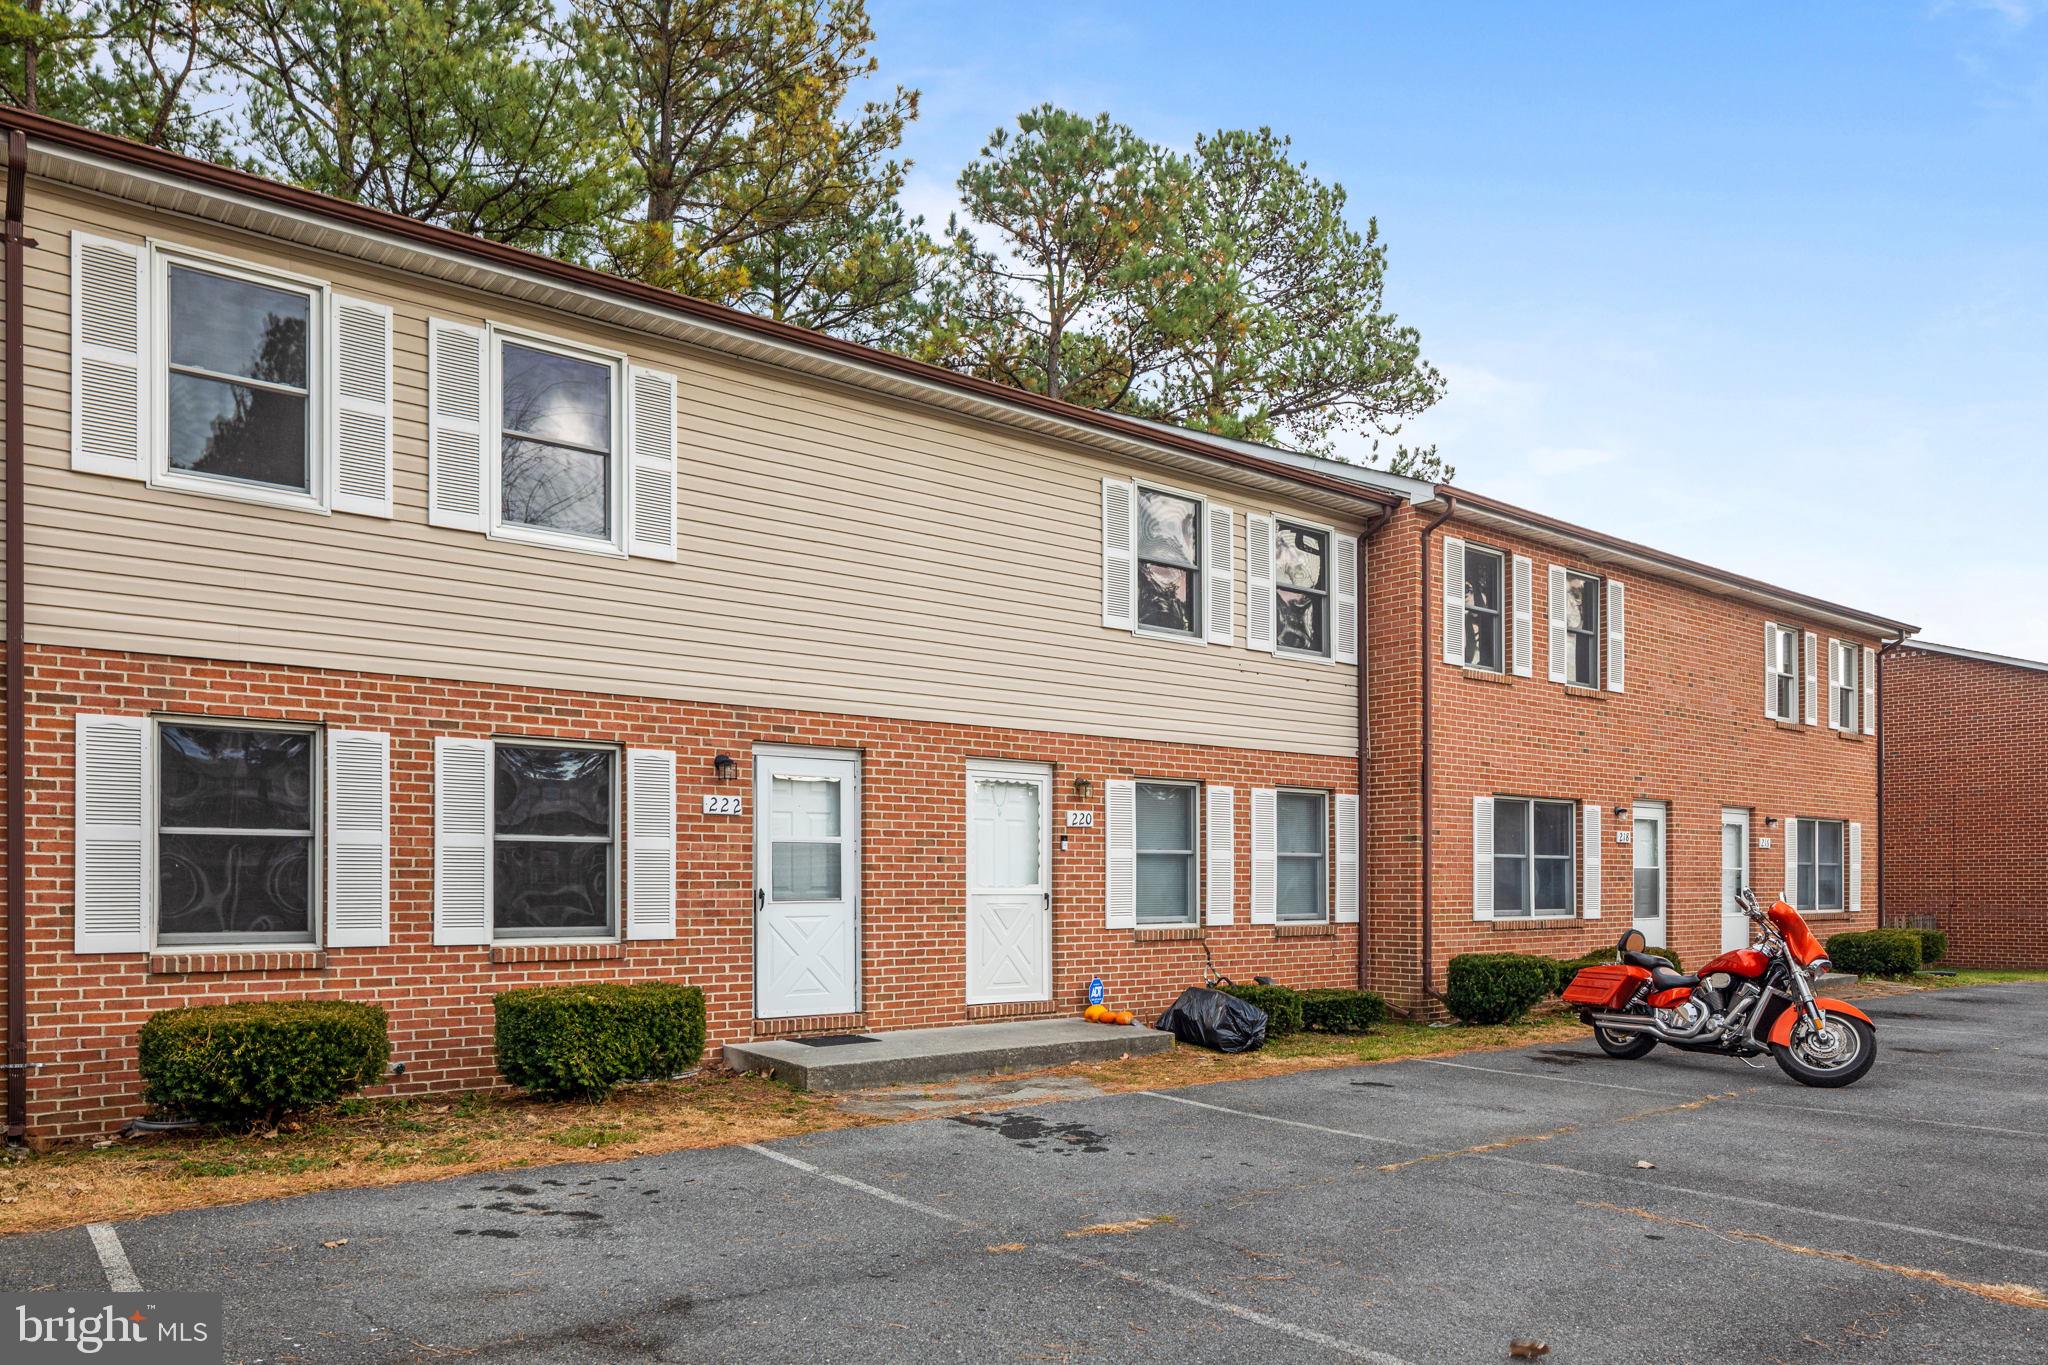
1336 1010
1282 1006
580 1041
1933 945
1876 952
238 1063
1497 988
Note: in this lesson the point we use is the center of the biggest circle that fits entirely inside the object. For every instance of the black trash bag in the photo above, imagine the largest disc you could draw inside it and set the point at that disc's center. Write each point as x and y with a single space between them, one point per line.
1214 1020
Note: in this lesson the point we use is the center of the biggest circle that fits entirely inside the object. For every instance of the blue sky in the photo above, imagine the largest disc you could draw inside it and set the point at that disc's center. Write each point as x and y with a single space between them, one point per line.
1762 285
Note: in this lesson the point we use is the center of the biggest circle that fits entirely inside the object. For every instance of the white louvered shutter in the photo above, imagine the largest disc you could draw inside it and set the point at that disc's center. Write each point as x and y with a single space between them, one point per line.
456 458
1617 636
1222 852
1869 691
1265 854
462 841
360 363
1855 871
1771 629
1454 601
650 843
111 878
1348 628
1482 857
1119 554
1835 681
651 487
1792 862
1219 578
1347 858
1812 691
1525 621
358 839
1120 852
1560 638
1591 858
1258 581
109 376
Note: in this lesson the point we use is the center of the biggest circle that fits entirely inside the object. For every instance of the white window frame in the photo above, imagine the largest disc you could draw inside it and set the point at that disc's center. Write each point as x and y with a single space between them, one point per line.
1280 856
319 483
615 926
1799 864
1845 687
1776 671
1200 634
1329 535
496 334
1598 630
1501 616
1195 854
317 859
1528 858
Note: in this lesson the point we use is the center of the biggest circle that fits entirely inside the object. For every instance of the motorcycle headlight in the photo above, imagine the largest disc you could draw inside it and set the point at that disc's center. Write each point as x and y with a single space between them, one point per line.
1819 967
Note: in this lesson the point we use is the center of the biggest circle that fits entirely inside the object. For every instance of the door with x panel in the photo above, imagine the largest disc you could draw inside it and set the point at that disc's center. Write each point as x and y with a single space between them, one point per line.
1009 883
806 884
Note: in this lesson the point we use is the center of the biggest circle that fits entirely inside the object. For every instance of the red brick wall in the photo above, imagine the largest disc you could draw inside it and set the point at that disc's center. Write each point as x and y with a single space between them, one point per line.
1689 730
1966 804
84 1010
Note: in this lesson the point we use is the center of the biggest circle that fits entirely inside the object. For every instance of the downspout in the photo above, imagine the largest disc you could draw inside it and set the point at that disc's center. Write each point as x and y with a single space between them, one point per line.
17 803
1428 672
1365 728
1883 649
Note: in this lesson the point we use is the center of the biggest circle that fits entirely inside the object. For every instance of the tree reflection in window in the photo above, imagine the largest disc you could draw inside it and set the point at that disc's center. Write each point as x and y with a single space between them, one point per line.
555 460
1300 573
236 382
1169 561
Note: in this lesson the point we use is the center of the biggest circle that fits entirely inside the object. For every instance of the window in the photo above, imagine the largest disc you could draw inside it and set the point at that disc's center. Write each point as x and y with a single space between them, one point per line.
1302 871
557 419
1301 578
1781 671
1169 563
1819 866
554 827
1582 629
238 399
1483 582
235 818
1532 858
1166 853
1842 684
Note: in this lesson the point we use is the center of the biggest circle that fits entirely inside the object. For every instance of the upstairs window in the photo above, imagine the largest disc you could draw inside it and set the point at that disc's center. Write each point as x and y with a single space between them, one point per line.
556 438
238 397
235 818
1484 579
1818 867
1169 563
1843 684
1301 575
1582 629
1781 673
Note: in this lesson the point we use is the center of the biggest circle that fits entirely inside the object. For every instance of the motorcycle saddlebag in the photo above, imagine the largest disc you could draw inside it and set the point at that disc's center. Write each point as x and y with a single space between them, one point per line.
1212 1019
1606 987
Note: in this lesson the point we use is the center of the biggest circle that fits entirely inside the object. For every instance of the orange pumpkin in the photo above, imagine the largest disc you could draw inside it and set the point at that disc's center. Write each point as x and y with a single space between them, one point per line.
1094 1014
1125 1017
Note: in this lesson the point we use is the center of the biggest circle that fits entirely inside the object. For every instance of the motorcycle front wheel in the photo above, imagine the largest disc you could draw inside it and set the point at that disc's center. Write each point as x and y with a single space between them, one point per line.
1848 1050
1623 1047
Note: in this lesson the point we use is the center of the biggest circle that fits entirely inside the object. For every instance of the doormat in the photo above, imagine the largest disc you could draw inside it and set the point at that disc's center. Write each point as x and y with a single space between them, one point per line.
835 1040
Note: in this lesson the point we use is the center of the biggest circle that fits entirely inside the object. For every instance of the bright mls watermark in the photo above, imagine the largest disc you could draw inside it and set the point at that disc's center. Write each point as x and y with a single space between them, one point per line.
167 1329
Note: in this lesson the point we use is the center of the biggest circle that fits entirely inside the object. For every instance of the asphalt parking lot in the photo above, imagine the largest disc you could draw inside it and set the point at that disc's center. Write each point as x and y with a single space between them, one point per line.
1419 1211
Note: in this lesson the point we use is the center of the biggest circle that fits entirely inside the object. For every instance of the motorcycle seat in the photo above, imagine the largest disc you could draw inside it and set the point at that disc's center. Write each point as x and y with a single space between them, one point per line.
1661 976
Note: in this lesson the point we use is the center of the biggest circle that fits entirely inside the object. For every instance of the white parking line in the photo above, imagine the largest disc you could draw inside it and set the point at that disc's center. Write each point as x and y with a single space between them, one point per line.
1178 1291
1629 1180
113 1258
1744 1101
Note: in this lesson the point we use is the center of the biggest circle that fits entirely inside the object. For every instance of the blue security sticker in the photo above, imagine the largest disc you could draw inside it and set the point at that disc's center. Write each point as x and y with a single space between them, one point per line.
1095 991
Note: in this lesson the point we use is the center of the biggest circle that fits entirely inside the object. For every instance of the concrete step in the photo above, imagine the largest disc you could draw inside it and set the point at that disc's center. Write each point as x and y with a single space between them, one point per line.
943 1054
1834 981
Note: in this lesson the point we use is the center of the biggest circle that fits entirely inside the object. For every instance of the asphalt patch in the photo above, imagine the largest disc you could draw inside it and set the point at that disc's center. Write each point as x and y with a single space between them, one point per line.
1031 1131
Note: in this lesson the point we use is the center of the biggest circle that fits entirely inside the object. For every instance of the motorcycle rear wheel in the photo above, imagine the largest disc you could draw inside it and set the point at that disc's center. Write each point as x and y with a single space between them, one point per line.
1623 1047
1850 1054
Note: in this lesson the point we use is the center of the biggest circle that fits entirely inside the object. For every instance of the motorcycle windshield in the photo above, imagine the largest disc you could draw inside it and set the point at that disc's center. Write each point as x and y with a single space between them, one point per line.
1799 940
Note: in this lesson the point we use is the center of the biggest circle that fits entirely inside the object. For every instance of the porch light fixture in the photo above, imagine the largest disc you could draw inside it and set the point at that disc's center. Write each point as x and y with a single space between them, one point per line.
1082 786
1620 811
1770 822
725 765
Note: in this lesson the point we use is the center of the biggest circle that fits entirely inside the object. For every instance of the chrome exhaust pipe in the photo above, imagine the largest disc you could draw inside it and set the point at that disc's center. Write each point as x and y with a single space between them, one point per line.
1627 1023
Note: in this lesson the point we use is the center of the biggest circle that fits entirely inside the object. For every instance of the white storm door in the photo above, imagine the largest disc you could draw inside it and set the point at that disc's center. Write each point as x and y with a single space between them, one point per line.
1734 876
806 884
1009 883
1648 842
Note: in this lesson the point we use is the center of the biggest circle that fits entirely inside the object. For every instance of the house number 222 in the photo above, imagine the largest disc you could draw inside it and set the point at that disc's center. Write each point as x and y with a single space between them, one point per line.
721 805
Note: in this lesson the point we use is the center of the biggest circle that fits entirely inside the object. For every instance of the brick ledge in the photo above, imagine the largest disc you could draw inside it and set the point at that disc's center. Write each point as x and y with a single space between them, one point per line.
1018 1009
1304 931
223 963
1178 933
556 952
816 1023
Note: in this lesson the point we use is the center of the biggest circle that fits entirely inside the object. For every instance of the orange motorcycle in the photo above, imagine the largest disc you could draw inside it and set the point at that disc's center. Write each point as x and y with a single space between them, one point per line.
1742 1004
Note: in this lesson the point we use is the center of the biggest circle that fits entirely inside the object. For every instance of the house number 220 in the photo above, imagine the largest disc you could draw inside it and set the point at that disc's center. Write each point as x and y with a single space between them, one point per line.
721 805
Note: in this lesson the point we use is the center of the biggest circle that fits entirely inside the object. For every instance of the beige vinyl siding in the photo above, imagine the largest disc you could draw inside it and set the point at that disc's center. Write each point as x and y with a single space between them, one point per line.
838 552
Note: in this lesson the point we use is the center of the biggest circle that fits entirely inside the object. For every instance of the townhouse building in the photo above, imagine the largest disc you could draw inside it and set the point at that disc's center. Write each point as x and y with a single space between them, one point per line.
402 617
